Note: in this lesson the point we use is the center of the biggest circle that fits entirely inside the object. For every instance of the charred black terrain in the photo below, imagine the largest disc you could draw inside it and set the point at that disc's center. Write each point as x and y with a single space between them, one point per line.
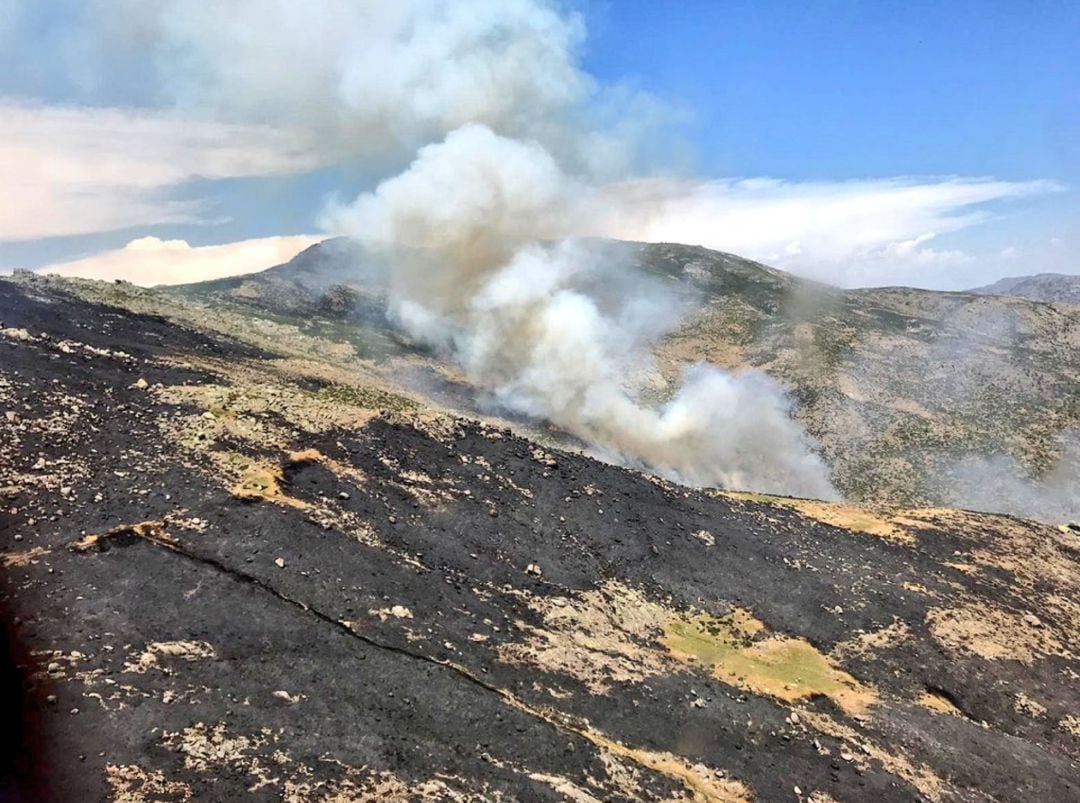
231 573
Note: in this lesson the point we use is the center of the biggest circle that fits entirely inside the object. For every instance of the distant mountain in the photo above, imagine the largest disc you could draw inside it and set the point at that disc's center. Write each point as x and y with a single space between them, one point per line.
1050 287
916 397
331 278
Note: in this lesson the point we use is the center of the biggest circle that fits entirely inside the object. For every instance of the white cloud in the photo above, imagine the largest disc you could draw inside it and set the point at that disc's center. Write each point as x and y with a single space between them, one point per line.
849 233
149 260
75 170
326 82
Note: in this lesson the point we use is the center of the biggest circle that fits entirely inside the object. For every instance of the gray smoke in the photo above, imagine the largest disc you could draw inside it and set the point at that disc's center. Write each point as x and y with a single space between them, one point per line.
482 229
1001 484
510 144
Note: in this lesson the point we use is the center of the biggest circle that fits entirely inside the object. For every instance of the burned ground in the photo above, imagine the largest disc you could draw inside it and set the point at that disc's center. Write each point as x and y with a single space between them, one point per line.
227 573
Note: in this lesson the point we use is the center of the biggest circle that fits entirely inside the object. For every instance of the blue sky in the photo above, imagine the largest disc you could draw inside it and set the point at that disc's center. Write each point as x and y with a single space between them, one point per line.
830 99
834 90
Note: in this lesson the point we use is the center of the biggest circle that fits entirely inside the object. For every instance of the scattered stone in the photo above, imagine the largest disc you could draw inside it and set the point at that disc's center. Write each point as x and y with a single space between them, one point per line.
1033 620
51 699
18 334
141 384
209 416
343 494
279 562
534 570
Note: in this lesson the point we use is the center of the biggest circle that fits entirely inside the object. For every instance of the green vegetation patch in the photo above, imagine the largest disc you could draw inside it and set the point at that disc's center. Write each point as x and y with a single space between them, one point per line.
788 669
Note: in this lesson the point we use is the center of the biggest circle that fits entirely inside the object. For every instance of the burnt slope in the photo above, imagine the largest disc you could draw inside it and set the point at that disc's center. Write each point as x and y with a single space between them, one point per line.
225 582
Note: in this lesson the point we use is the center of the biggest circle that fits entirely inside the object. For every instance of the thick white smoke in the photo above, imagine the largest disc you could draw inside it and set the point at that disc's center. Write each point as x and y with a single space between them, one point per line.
481 228
511 140
377 79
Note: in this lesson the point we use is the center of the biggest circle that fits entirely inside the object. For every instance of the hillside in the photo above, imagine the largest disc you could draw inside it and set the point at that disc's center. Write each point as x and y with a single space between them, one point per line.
1057 288
238 560
915 397
298 287
903 388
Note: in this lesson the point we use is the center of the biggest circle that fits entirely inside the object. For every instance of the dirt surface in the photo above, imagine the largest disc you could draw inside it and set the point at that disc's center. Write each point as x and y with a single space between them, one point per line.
230 574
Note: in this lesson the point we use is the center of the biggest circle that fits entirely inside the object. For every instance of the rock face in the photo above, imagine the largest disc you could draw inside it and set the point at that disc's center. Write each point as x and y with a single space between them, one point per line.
326 590
903 389
1050 287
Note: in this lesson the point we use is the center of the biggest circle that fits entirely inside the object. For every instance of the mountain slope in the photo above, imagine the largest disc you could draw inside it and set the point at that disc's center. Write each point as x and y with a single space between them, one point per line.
915 397
903 387
1049 287
258 569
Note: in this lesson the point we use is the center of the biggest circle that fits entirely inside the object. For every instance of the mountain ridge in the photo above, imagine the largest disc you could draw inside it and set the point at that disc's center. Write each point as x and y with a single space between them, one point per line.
1048 287
902 388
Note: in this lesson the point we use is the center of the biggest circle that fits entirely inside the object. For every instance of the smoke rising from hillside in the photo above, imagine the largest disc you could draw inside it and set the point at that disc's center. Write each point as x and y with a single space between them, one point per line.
510 142
482 227
1001 484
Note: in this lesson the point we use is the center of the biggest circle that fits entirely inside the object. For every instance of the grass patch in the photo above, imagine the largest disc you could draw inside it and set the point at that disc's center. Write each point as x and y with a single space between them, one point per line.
788 669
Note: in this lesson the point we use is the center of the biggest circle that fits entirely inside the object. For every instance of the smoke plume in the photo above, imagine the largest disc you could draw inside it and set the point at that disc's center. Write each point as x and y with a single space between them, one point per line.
510 142
1001 484
481 228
